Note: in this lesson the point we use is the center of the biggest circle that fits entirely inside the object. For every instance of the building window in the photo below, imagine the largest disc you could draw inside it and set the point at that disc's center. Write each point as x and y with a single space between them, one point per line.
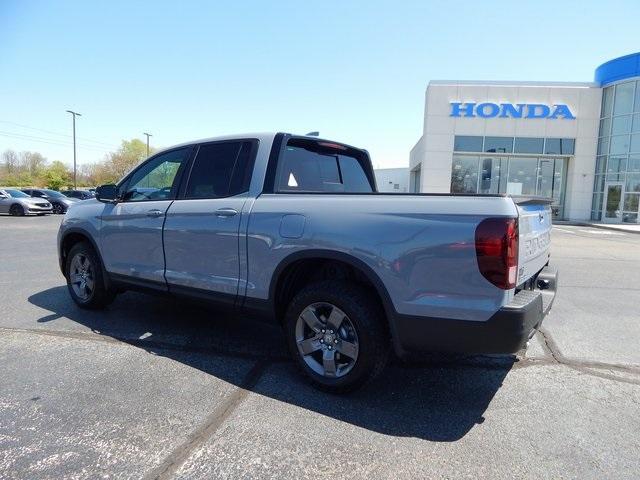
466 143
464 174
528 145
493 175
516 175
623 99
621 125
617 173
498 144
559 146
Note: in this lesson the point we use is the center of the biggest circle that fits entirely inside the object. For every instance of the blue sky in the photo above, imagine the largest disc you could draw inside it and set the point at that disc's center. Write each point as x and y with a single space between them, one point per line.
355 71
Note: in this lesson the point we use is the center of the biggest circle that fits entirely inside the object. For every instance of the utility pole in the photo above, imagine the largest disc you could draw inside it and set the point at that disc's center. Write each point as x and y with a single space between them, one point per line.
148 135
75 168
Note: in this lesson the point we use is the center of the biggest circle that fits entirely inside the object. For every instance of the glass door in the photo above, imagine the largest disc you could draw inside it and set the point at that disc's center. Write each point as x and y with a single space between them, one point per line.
612 204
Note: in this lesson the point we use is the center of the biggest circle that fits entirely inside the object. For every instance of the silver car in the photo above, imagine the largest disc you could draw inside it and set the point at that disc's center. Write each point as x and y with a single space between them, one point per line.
17 203
59 202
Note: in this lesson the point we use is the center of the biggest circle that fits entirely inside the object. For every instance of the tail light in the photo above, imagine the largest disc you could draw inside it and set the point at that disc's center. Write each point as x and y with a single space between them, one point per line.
497 251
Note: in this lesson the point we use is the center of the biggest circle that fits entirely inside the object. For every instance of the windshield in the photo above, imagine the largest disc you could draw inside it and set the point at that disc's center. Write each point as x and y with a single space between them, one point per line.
53 193
16 193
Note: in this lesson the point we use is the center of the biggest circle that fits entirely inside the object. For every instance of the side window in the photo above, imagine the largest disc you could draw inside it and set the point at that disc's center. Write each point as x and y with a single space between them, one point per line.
306 166
155 179
220 170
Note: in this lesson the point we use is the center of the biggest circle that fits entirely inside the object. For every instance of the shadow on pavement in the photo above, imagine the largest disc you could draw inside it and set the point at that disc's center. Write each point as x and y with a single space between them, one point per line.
439 400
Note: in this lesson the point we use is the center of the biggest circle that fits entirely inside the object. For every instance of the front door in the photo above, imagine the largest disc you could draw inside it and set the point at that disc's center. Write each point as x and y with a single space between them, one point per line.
131 233
612 204
201 233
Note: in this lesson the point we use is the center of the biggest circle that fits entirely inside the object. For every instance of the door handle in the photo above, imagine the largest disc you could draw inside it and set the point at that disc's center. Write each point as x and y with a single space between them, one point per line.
154 213
226 212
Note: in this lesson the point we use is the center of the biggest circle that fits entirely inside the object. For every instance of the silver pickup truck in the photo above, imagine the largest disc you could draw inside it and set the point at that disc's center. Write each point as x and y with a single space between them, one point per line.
291 228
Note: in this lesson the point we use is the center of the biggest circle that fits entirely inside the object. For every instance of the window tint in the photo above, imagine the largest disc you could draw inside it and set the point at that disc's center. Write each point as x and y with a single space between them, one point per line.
155 179
52 193
220 170
308 167
528 145
498 144
353 175
466 143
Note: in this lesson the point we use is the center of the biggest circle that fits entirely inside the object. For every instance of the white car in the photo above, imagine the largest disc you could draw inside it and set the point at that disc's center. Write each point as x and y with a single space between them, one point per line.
17 203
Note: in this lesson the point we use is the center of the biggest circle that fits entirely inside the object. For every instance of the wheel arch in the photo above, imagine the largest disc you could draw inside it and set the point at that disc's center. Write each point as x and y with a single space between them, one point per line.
72 237
287 267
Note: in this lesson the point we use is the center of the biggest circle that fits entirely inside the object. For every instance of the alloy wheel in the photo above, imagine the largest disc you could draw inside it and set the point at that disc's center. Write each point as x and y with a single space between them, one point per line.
327 340
81 276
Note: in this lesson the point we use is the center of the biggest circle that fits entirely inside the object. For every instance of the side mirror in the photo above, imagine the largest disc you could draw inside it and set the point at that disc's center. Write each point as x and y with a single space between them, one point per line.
107 193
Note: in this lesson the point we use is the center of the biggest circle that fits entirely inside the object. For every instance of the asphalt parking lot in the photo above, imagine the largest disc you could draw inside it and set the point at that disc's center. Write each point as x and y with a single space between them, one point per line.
152 388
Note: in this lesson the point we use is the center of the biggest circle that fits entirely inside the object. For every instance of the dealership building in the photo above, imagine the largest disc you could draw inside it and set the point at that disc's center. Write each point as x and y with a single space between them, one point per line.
575 143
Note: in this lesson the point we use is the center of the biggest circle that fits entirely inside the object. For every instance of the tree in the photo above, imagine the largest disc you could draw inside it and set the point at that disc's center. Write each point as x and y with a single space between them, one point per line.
32 162
130 154
57 175
10 160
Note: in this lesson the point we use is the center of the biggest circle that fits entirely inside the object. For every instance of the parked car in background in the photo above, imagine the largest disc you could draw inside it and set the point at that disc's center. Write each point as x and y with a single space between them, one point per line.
59 202
79 194
15 202
292 228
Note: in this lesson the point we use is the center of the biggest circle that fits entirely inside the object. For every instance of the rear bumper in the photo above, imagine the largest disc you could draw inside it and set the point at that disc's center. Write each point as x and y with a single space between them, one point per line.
507 331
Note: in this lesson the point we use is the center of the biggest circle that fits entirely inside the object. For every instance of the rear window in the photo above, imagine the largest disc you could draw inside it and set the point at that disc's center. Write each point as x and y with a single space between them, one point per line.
220 170
316 166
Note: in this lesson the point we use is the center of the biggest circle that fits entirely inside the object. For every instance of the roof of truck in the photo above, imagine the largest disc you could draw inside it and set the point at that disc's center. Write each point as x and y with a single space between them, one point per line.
262 136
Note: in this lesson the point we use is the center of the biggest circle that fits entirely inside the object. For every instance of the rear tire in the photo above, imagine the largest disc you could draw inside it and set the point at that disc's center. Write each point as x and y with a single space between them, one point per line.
338 359
16 210
85 280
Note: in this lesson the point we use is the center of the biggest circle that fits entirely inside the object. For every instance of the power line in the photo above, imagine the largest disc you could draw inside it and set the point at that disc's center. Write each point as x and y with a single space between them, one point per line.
56 133
52 141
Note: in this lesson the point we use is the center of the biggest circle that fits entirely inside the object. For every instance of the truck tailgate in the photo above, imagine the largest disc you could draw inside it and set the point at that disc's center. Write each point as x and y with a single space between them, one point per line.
534 225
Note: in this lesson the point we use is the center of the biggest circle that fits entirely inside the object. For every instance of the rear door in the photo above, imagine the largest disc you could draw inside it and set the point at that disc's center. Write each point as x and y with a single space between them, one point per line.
201 232
131 233
534 228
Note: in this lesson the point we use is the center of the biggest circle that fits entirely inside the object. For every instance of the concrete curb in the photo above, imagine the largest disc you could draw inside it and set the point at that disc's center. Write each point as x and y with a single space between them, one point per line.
595 225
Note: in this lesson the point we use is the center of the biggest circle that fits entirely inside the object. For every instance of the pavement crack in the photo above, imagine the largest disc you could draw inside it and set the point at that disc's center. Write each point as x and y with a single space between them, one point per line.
589 367
213 422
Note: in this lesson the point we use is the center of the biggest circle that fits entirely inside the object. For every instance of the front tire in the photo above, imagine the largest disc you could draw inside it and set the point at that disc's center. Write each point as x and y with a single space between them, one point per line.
337 335
85 280
57 209
16 210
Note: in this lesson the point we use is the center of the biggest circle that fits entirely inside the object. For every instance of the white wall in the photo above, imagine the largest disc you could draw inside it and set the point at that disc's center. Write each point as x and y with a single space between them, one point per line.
388 178
434 151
